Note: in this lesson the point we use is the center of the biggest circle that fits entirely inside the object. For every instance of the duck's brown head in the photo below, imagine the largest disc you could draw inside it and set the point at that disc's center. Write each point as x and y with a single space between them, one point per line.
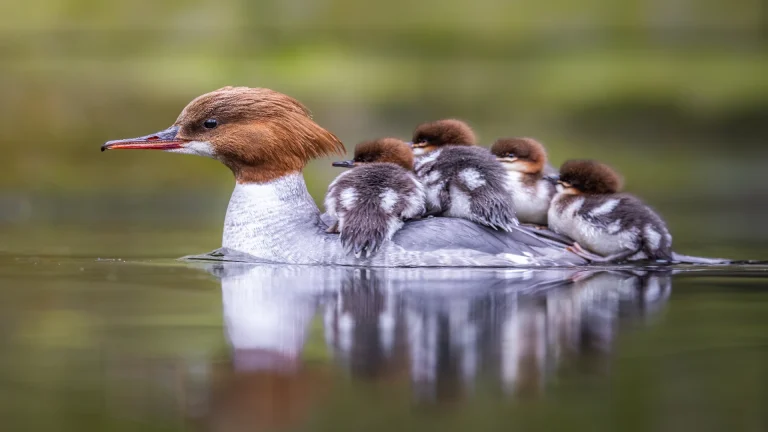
588 177
430 136
524 155
258 133
390 150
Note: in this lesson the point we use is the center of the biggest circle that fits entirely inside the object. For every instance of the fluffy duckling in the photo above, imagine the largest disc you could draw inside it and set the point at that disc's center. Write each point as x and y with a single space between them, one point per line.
613 226
532 192
371 200
460 179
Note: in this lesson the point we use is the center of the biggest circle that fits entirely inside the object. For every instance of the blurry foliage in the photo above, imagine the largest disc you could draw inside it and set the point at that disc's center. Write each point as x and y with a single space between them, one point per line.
597 73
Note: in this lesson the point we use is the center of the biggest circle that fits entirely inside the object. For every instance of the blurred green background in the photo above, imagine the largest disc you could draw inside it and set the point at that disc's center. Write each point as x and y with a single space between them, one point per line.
671 92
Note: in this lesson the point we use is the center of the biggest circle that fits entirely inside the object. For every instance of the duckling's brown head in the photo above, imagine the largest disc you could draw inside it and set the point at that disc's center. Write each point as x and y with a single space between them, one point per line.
258 133
524 155
430 136
390 150
588 177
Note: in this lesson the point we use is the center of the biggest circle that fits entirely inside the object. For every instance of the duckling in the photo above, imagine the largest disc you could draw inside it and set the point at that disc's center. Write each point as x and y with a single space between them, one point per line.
532 192
589 208
371 200
460 179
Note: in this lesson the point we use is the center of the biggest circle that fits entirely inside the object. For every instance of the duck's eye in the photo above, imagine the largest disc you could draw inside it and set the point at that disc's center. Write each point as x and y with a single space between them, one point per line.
210 123
510 155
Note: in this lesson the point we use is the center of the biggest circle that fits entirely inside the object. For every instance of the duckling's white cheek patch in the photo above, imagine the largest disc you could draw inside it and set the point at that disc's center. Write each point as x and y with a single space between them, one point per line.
199 148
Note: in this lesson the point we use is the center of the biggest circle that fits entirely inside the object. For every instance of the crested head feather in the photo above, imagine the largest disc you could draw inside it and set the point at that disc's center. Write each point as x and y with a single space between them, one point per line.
261 134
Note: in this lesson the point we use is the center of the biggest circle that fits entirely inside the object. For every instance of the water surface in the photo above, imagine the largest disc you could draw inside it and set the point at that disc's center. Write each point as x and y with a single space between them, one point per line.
155 344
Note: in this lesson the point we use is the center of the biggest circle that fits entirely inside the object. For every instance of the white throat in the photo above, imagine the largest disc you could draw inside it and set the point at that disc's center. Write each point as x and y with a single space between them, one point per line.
275 221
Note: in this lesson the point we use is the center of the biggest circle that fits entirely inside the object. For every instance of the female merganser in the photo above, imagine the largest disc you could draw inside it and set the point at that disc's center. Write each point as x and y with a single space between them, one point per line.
524 159
461 180
371 201
266 138
589 209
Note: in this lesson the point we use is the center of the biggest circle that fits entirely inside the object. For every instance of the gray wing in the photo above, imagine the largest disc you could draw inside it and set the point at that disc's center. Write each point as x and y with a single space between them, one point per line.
453 233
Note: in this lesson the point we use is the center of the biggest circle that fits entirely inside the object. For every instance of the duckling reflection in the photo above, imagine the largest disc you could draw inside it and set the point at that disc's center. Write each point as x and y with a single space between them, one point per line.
538 334
518 327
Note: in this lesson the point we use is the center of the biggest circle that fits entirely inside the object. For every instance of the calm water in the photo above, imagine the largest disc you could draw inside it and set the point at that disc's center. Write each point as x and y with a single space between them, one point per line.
148 343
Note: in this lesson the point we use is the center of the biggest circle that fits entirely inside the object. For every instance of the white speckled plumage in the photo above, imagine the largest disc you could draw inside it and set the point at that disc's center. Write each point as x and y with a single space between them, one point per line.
571 222
472 178
467 182
610 225
388 199
604 208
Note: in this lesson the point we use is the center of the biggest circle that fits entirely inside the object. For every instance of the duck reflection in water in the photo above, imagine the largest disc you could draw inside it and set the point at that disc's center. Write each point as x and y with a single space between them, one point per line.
439 330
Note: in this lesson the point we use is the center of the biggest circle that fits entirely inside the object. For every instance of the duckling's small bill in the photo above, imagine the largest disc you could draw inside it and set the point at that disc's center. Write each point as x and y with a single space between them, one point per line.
344 164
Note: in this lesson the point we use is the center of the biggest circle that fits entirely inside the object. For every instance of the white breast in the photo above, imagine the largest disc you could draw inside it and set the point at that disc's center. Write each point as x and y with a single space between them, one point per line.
531 203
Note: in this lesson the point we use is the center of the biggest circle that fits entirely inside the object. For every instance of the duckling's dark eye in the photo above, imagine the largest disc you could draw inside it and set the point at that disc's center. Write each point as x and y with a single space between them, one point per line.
210 123
511 155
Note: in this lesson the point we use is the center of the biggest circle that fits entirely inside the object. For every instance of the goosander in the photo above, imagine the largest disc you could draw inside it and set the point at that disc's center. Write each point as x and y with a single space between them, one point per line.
612 226
370 201
524 160
266 138
461 180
